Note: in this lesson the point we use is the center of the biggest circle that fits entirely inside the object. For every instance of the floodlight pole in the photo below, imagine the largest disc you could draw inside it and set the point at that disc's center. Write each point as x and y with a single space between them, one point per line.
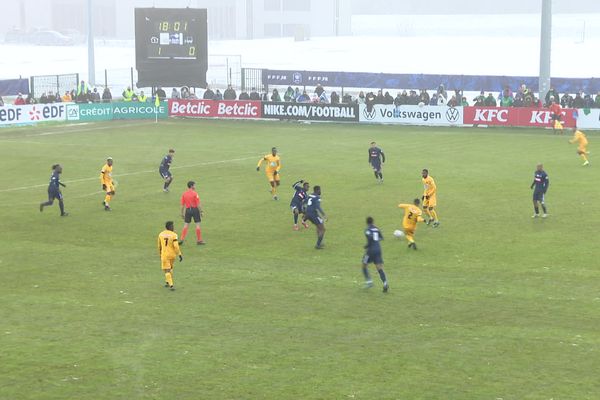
91 62
545 48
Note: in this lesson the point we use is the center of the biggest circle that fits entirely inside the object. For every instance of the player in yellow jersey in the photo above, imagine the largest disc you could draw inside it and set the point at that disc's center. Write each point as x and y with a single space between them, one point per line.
107 183
168 249
412 215
582 142
430 198
272 170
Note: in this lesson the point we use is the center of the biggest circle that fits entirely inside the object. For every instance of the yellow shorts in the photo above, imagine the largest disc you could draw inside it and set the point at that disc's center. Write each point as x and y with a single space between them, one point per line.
110 188
582 150
271 176
410 230
430 202
167 263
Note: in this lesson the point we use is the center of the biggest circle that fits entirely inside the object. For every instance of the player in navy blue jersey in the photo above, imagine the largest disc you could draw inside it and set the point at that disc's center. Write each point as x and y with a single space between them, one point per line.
54 190
376 159
298 202
540 185
373 254
164 169
316 215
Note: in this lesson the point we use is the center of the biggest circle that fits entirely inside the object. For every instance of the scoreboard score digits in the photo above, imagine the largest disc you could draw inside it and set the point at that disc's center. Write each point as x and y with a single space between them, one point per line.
171 46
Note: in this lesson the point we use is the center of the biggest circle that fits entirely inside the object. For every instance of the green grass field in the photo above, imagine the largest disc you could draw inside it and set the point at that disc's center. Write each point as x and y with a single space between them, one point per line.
493 305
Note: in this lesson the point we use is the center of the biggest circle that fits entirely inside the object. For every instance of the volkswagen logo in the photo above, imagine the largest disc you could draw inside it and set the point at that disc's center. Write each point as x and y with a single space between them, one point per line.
297 78
369 115
452 115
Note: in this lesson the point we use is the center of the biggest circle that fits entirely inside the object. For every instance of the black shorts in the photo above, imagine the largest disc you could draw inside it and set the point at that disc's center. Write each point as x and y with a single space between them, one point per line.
556 117
538 196
165 174
374 258
192 213
315 219
54 194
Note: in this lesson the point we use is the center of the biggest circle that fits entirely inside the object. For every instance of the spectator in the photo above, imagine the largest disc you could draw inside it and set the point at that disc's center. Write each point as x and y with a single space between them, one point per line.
229 93
578 100
43 99
323 98
424 97
458 93
361 98
296 93
441 91
192 95
30 99
185 92
106 95
254 94
452 102
50 98
464 102
479 101
244 96
319 90
597 101
57 98
19 100
218 95
346 99
142 98
441 100
490 101
388 99
335 98
82 92
67 97
1 102
551 93
289 94
434 100
128 94
275 95
588 102
398 100
208 94
95 96
505 100
566 101
175 94
379 99
134 97
370 100
160 93
413 99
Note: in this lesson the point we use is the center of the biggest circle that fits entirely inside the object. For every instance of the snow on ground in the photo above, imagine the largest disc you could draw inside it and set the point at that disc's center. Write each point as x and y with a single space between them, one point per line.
468 45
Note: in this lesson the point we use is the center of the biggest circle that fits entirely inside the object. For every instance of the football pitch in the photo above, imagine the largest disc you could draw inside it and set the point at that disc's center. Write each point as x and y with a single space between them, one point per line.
493 304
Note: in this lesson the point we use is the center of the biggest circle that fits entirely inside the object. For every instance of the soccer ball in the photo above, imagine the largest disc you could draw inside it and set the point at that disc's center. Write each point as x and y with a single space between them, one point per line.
398 233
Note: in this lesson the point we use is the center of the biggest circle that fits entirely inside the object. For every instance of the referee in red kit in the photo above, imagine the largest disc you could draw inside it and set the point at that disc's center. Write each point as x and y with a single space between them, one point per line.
190 209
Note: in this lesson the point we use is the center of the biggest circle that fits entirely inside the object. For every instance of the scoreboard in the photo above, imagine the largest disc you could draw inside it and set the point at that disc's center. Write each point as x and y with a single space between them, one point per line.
171 46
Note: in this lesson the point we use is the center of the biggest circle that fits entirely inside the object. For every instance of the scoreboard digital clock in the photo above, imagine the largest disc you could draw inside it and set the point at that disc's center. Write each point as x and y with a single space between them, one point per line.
171 46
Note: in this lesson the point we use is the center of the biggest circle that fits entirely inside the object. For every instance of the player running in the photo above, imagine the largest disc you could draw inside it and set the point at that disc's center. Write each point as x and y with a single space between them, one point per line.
54 190
164 171
556 116
191 209
168 250
430 198
412 215
298 202
376 159
540 185
272 170
373 255
582 142
316 215
107 183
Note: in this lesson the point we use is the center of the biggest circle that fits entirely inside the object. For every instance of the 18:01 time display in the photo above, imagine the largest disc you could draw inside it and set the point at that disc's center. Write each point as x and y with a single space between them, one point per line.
172 40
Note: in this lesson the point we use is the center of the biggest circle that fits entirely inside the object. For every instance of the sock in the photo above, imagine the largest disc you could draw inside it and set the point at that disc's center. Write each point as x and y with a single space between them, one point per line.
61 204
380 176
410 238
428 213
544 208
584 157
537 209
198 234
365 271
167 184
184 232
382 275
320 239
273 190
434 215
376 174
295 219
169 278
107 199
